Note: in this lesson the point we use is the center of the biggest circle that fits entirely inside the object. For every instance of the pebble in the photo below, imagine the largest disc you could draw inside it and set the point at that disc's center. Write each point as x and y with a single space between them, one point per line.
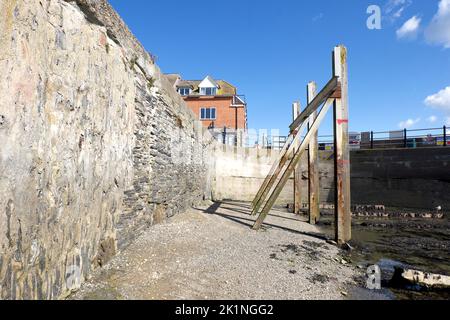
238 268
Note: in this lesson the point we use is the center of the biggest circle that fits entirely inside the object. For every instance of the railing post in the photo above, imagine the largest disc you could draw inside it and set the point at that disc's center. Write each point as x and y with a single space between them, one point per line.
224 134
371 139
405 135
445 136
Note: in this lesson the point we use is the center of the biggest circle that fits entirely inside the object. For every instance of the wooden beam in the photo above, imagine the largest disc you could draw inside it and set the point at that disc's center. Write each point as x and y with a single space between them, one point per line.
279 166
342 156
313 163
321 97
296 110
292 165
272 170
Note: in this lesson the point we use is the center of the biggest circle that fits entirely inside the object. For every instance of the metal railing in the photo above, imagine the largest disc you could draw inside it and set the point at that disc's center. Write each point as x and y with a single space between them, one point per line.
417 138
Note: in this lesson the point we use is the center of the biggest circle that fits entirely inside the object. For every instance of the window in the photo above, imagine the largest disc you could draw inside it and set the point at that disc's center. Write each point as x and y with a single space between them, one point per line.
208 91
208 114
184 91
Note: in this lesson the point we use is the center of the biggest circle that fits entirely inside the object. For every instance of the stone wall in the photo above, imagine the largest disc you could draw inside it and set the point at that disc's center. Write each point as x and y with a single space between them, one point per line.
95 145
411 178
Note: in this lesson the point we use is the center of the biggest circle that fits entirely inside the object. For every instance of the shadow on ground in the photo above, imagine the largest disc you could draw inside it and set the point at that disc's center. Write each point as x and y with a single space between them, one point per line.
283 220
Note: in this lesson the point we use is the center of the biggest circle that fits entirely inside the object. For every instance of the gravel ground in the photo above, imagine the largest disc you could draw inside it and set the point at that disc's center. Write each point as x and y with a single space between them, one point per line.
212 253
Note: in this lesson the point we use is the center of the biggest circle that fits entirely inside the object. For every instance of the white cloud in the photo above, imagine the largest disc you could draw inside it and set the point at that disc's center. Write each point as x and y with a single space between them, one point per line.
409 28
394 8
432 119
438 31
440 100
447 121
408 123
318 17
398 13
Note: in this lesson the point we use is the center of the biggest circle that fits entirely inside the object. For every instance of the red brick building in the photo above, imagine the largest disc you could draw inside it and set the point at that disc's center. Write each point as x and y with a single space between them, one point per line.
216 103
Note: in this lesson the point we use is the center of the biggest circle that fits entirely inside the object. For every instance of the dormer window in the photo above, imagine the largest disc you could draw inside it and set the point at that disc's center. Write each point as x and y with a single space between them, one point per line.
184 91
208 91
208 87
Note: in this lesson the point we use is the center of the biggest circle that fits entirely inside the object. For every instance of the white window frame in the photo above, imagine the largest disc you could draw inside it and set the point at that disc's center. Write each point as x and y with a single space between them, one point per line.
204 89
210 111
183 90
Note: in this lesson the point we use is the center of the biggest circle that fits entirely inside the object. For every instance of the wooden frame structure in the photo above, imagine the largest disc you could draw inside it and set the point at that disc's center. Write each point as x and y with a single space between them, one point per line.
335 93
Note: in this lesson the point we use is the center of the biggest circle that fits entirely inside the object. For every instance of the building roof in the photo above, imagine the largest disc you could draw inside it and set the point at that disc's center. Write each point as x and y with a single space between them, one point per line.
208 82
224 88
173 78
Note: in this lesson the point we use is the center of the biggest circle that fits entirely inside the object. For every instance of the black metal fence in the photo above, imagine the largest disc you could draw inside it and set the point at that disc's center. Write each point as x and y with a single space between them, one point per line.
418 138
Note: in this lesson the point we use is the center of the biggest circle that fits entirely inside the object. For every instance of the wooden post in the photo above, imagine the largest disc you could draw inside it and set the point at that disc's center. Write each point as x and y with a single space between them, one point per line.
296 111
342 155
313 162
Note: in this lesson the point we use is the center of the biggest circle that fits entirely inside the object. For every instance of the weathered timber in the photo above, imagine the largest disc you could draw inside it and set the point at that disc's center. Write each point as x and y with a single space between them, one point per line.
279 166
292 165
272 170
296 110
313 163
341 150
323 96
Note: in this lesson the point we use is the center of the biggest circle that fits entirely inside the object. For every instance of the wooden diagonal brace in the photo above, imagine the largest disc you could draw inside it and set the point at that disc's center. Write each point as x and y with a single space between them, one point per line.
279 166
292 165
321 97
274 167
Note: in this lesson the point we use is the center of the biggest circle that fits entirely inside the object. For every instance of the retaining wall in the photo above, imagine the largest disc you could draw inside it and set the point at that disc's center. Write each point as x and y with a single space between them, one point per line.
95 145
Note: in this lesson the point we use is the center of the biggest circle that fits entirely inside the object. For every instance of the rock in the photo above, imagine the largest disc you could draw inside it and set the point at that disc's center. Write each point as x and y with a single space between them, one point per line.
344 293
332 242
404 277
346 247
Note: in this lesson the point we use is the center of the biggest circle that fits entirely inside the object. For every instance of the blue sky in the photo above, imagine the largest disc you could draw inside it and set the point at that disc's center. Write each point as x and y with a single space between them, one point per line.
271 49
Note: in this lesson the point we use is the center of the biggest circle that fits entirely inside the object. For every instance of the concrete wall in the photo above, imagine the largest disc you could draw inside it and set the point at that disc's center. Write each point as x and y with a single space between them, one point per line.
412 178
95 145
241 171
